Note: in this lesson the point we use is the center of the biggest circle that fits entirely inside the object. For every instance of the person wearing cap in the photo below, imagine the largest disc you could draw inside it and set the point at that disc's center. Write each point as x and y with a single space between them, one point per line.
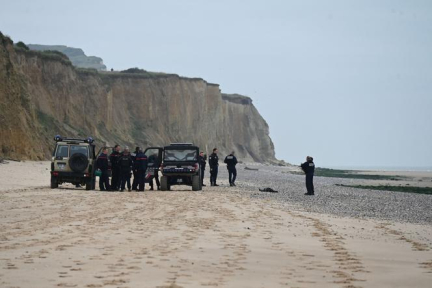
214 166
308 168
202 162
125 163
231 162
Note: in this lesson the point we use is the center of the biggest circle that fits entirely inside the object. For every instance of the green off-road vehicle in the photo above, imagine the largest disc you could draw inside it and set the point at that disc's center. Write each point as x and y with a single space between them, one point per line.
181 166
73 161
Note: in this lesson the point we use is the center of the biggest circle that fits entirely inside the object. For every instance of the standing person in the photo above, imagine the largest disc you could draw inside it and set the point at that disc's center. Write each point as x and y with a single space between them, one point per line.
214 163
140 167
309 168
115 180
231 162
102 164
133 155
125 164
202 162
155 160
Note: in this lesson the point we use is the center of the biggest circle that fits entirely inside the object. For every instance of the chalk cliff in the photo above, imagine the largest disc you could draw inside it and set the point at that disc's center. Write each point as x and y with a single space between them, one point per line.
41 96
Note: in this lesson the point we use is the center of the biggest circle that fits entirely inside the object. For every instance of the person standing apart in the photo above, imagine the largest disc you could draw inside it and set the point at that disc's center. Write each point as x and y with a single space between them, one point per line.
102 165
231 162
309 168
202 162
214 163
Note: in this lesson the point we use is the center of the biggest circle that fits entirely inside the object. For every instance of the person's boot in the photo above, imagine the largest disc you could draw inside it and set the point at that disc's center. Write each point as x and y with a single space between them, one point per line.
231 184
215 184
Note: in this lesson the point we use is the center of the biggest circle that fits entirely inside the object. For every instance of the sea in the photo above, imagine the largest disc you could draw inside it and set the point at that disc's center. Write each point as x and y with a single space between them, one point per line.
384 168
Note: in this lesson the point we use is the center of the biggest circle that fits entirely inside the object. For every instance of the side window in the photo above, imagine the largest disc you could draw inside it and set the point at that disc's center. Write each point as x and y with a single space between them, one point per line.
62 151
153 157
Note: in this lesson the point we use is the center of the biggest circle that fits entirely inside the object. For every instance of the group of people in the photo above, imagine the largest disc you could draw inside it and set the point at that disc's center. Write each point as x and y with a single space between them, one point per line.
230 161
124 164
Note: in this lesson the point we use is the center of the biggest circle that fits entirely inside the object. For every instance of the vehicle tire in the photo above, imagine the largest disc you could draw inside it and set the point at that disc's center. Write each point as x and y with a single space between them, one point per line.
78 162
164 183
196 183
54 183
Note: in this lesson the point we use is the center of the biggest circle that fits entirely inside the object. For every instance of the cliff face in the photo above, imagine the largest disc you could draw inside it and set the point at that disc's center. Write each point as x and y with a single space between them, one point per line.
42 97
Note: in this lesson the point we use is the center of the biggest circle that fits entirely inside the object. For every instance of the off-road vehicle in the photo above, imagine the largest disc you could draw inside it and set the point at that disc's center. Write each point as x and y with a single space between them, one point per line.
181 166
73 161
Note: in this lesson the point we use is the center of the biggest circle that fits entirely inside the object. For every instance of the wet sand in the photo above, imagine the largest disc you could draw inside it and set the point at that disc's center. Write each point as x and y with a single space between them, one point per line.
220 237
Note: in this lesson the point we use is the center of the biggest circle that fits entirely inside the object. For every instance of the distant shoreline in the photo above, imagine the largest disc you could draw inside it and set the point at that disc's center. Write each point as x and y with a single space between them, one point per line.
383 168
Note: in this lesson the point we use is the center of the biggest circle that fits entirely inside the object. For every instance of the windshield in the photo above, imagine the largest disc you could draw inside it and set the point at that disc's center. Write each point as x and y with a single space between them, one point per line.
180 155
78 149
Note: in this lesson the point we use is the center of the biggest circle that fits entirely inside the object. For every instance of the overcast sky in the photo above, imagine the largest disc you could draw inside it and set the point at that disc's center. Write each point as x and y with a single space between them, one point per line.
348 82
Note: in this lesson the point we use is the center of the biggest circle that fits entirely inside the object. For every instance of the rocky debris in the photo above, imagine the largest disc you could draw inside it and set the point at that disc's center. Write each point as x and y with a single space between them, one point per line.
332 199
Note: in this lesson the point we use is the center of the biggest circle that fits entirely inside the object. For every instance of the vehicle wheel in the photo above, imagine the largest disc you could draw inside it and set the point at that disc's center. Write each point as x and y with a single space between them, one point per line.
54 183
196 183
78 162
164 183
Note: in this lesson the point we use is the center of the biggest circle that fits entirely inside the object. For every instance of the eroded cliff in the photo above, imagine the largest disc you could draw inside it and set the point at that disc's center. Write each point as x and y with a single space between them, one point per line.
42 96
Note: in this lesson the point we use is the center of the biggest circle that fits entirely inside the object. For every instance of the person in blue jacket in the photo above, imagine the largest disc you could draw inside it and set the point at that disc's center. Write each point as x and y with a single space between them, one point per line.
231 162
140 167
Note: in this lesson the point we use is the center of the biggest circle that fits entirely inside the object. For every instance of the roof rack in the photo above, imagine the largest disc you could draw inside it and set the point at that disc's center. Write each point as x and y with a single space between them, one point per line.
181 144
89 140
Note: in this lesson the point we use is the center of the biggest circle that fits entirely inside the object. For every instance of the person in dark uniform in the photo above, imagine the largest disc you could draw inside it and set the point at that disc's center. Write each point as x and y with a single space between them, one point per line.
309 168
202 162
140 167
231 162
102 165
115 180
154 159
214 163
133 155
125 164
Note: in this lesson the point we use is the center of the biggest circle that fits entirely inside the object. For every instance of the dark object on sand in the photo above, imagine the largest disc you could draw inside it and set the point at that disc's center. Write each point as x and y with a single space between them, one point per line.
254 169
268 190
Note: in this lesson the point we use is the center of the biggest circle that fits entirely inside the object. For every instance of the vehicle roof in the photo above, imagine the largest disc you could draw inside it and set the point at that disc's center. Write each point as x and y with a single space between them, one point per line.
177 147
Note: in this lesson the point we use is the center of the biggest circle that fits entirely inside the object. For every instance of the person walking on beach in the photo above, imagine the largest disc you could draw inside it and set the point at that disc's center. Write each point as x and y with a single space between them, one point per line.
308 168
231 162
214 163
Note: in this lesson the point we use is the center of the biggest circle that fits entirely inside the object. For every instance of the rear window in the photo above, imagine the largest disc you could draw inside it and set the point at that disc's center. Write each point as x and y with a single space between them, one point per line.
62 151
78 149
180 155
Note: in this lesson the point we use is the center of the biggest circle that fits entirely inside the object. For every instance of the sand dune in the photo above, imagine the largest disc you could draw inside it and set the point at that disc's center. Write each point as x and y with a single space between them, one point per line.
219 237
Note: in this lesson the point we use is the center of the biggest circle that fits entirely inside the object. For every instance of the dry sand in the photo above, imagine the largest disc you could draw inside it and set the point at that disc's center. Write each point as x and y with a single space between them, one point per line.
75 238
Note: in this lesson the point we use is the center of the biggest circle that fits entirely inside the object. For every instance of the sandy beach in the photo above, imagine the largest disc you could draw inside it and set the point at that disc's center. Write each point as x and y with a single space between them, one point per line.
220 237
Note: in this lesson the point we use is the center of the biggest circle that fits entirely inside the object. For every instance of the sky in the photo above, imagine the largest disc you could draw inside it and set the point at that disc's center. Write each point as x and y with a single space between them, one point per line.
348 82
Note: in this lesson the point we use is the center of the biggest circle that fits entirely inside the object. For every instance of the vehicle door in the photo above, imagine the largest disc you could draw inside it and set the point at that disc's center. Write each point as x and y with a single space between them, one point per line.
154 159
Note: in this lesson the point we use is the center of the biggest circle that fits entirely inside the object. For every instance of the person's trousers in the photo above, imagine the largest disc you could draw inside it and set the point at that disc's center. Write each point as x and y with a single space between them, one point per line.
232 175
135 181
115 180
125 179
104 182
309 184
202 176
140 180
156 178
213 174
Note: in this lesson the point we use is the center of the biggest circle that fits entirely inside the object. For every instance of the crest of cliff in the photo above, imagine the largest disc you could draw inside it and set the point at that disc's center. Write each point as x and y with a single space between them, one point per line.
42 94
